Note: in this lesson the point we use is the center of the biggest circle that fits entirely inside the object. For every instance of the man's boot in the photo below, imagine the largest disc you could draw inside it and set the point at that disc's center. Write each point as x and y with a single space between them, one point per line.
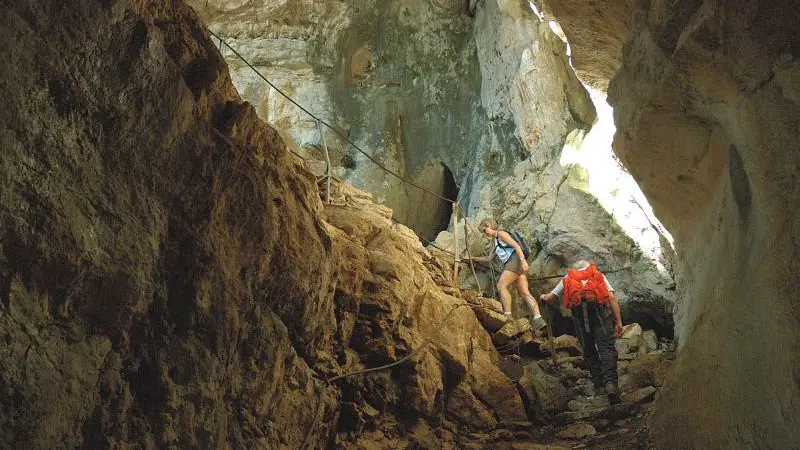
613 392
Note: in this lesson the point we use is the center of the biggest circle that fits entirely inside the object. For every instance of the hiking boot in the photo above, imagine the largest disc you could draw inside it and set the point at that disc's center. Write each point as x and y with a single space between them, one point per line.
538 323
613 392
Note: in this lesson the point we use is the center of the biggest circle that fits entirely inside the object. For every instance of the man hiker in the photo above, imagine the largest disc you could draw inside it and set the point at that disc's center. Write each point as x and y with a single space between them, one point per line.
590 297
510 252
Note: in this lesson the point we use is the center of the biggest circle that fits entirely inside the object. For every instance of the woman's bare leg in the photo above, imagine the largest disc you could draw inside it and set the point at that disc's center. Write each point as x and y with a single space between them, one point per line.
522 289
506 278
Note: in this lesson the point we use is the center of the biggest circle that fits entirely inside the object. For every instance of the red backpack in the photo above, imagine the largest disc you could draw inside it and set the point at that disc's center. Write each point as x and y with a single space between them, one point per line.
585 285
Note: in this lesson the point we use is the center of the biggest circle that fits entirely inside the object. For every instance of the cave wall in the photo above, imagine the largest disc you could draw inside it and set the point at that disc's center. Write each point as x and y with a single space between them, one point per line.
596 30
151 296
706 107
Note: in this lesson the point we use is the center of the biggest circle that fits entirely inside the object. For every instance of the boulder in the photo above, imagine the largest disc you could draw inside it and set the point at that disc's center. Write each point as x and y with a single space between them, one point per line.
647 370
489 318
622 346
631 331
577 405
599 401
650 341
586 403
614 412
490 304
544 394
566 344
510 332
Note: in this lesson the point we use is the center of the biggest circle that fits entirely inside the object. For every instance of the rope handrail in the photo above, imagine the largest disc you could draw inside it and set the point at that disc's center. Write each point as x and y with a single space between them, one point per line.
332 128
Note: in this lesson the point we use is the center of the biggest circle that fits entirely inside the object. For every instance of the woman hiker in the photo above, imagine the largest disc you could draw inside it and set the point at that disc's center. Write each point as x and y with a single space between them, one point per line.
515 268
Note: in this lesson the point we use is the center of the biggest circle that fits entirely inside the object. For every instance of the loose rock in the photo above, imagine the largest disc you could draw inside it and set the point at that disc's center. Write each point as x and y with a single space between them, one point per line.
642 395
578 430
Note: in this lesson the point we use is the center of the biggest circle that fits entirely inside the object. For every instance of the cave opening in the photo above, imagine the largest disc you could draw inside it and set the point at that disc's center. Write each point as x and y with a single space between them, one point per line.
651 316
444 209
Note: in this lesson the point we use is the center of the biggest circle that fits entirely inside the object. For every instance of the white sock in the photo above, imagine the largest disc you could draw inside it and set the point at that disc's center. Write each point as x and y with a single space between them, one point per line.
536 316
507 313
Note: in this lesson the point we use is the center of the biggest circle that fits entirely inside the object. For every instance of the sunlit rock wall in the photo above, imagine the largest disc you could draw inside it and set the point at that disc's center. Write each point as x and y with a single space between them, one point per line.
596 31
538 96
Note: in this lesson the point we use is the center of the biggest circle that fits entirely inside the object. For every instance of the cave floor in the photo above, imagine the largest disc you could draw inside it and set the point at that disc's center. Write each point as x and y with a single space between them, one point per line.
629 431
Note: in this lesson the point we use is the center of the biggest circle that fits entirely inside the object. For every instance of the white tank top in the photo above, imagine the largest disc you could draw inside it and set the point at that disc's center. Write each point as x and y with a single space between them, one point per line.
502 253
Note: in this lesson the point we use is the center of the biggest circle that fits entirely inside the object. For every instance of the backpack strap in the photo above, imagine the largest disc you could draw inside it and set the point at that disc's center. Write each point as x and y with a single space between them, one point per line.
500 244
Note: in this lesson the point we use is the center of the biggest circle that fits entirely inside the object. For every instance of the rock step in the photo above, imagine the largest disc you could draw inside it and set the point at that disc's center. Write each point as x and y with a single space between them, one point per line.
577 430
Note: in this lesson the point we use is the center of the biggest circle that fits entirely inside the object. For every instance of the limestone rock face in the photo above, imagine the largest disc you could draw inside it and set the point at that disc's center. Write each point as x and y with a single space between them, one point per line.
596 32
400 79
707 115
390 306
477 89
